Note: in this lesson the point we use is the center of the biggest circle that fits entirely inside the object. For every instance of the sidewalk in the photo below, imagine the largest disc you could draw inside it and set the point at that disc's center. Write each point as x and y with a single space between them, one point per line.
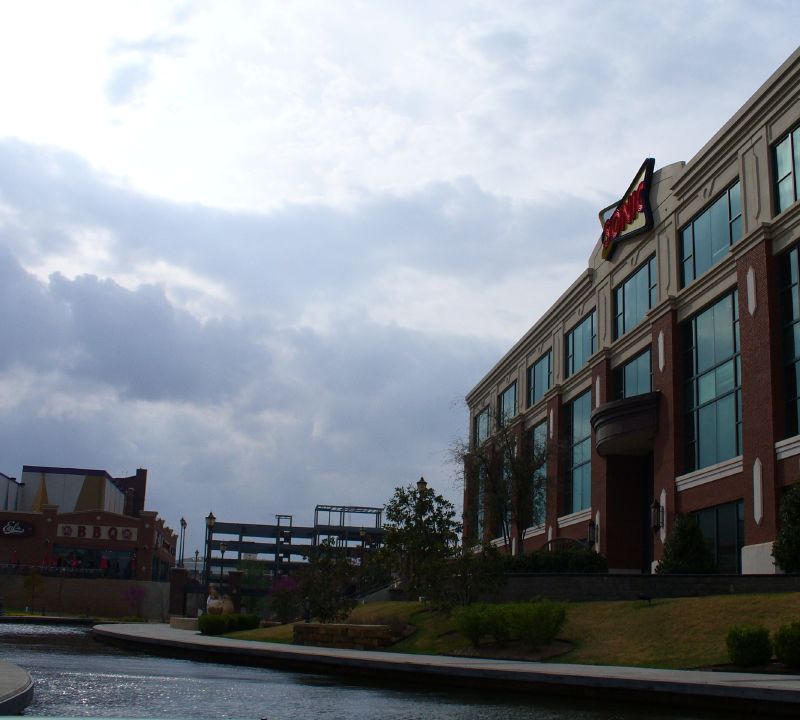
16 689
739 692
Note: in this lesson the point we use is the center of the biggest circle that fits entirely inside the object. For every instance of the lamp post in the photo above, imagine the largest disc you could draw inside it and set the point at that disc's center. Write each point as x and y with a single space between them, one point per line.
210 521
222 548
180 544
196 556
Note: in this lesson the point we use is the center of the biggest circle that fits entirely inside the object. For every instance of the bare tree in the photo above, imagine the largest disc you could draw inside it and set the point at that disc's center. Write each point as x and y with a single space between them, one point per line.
504 475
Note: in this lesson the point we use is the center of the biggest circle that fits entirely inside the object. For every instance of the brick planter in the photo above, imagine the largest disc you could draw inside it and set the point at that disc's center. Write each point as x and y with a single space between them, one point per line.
340 635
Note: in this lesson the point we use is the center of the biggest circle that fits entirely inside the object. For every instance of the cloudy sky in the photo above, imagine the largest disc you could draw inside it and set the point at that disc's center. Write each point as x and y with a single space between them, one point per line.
265 249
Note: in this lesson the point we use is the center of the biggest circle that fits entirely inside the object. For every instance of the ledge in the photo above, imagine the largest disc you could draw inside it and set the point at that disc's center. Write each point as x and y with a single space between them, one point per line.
787 448
709 474
626 427
574 518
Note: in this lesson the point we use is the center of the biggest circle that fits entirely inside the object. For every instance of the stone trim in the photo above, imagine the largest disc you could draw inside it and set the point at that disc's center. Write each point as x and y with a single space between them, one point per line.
787 448
533 531
574 518
709 474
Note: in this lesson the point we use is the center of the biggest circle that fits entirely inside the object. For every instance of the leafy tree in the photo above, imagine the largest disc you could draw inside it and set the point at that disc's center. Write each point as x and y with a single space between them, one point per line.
473 574
786 549
421 534
255 578
285 599
685 550
329 581
511 465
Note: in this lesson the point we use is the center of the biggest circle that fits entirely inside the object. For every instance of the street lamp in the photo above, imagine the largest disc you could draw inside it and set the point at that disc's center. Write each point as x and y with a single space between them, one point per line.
196 556
180 544
222 548
210 522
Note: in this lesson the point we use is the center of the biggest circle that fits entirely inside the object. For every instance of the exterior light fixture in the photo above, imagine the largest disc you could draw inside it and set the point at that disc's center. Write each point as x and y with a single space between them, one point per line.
422 486
656 516
591 532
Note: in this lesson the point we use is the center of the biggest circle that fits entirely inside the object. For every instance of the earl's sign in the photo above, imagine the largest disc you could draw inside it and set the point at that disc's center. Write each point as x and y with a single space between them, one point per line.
631 215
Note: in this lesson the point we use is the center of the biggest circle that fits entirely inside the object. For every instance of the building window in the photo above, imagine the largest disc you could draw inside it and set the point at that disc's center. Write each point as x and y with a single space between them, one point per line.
538 447
634 297
723 529
787 170
579 461
507 404
634 377
480 501
540 378
713 384
581 344
480 432
789 268
706 240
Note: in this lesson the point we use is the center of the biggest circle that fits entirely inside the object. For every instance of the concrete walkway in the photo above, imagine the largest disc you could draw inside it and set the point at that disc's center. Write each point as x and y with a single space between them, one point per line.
16 689
739 692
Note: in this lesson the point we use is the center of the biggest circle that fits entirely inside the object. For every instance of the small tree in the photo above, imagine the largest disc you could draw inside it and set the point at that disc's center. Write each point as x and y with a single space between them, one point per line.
685 550
255 579
421 534
285 599
786 549
328 581
511 466
474 574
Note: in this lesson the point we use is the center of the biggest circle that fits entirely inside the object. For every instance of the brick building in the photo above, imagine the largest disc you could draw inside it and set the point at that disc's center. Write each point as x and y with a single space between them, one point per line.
83 522
666 379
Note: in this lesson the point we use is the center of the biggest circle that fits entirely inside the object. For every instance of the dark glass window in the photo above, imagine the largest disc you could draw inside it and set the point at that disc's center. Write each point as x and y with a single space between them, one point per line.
540 377
723 529
789 268
634 297
480 432
507 404
634 377
706 240
581 344
538 443
579 460
787 170
713 397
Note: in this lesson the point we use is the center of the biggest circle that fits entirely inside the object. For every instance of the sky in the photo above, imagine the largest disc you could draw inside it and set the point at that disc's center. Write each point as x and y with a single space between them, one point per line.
264 249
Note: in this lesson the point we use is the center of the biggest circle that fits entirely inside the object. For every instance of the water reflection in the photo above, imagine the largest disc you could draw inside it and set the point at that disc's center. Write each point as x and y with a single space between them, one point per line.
76 677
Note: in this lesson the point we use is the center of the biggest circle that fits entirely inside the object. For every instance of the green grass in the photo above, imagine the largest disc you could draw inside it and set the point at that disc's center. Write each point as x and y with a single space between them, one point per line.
674 633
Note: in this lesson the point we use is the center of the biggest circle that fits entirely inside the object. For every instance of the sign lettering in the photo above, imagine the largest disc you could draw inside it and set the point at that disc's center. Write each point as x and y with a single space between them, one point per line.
632 214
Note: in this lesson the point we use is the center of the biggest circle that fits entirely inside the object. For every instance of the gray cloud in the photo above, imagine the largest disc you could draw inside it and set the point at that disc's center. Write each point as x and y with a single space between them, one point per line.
126 81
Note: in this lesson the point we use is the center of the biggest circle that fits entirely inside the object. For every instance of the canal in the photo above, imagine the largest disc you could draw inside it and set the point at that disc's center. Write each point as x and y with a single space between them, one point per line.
78 677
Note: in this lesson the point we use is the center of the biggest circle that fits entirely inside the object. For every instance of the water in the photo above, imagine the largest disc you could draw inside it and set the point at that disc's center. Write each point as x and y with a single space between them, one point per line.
77 677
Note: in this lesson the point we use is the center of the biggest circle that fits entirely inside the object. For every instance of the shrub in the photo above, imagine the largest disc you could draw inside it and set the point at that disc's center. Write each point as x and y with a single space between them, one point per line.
787 644
786 549
472 622
576 558
498 623
537 623
748 645
685 550
212 624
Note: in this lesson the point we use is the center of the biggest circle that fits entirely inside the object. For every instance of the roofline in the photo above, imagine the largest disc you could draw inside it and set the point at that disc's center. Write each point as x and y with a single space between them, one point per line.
65 471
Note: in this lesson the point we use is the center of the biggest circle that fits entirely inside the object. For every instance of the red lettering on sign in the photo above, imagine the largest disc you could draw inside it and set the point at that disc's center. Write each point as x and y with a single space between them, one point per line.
112 533
81 531
627 211
96 531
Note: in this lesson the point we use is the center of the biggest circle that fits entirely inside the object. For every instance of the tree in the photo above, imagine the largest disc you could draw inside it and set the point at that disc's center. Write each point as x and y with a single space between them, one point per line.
685 550
329 581
421 534
506 473
285 599
786 549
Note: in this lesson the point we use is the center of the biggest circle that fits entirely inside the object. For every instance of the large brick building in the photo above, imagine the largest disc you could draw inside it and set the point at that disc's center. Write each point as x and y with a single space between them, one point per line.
84 523
666 379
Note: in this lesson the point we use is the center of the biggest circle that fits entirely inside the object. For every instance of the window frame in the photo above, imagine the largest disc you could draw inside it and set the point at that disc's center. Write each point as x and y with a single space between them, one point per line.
569 344
503 417
571 466
538 518
477 441
619 375
651 267
532 385
793 137
789 294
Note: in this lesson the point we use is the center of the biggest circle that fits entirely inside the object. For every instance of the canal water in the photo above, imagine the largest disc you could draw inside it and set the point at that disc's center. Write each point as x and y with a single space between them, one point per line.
76 676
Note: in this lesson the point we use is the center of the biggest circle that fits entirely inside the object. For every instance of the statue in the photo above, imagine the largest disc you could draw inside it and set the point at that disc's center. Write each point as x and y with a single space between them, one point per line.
216 604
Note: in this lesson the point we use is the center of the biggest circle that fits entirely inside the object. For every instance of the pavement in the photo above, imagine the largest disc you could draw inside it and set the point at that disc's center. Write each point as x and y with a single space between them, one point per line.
16 689
739 692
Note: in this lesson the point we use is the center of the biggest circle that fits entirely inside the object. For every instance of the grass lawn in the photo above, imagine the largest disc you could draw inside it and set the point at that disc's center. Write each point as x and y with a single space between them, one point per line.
673 633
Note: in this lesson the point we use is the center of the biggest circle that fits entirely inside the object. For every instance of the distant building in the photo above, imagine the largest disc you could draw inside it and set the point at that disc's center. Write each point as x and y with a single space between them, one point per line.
666 378
83 522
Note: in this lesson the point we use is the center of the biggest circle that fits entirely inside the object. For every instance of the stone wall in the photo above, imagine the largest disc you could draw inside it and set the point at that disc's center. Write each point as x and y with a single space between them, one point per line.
78 596
352 637
633 587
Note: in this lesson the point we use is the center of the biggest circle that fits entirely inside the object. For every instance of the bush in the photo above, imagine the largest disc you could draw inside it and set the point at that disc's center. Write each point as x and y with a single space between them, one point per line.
749 645
685 550
576 558
786 549
537 623
472 622
212 624
787 644
498 623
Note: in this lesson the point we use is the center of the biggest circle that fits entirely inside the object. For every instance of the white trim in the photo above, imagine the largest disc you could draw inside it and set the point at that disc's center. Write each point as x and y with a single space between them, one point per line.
498 542
662 533
751 291
661 350
758 493
710 474
787 448
574 518
533 531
